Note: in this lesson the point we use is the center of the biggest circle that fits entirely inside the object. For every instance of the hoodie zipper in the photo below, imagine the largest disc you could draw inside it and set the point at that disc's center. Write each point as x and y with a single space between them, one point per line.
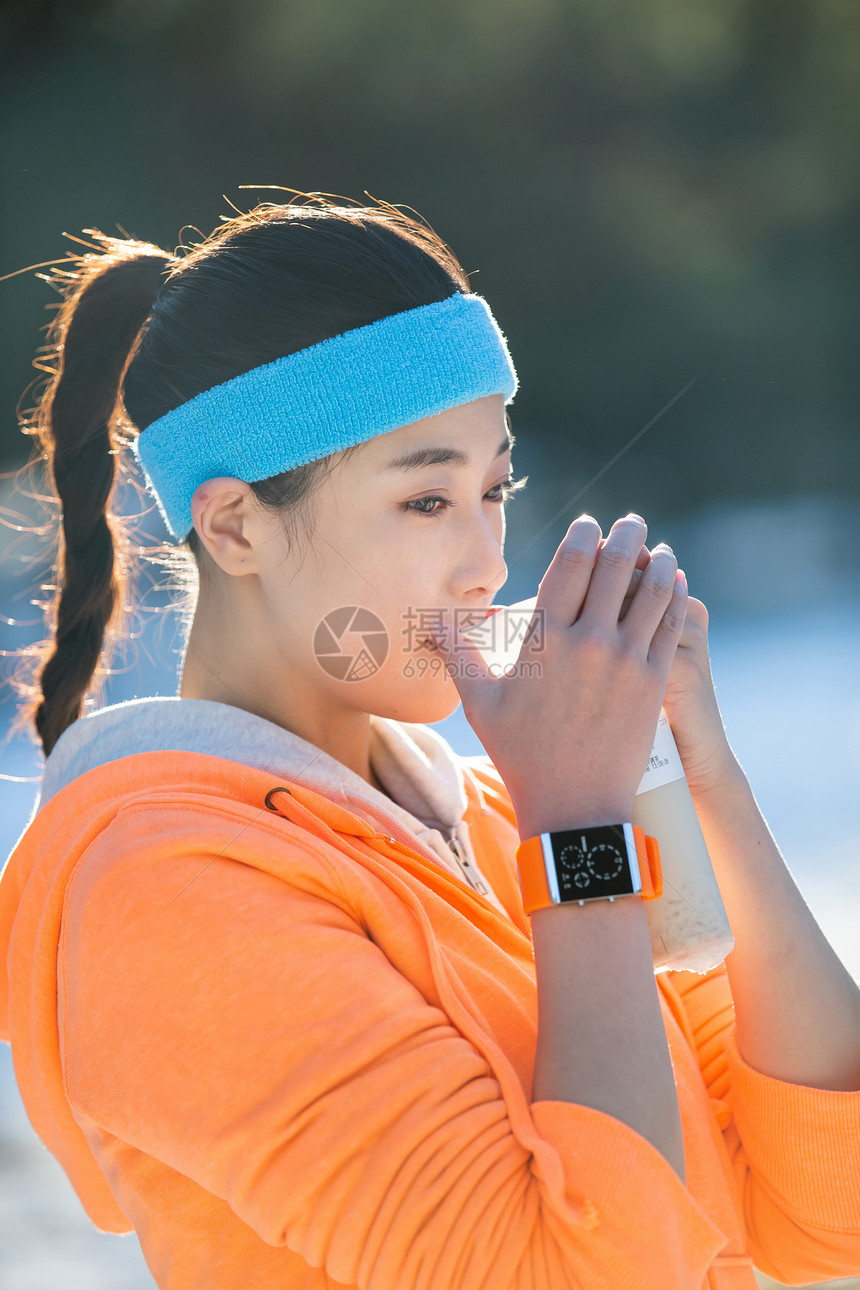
476 883
459 856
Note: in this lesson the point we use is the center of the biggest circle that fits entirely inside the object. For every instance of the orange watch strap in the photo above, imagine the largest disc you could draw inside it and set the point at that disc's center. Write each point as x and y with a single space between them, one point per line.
650 866
533 880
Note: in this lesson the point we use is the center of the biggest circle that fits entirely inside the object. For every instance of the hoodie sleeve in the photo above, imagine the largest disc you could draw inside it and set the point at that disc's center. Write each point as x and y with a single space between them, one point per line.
795 1150
242 1026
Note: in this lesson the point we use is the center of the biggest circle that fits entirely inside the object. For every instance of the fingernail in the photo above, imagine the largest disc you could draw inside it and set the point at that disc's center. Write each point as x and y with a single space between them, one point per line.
631 515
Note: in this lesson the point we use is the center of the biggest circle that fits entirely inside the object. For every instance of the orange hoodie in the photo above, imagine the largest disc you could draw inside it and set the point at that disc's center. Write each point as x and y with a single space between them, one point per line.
270 1029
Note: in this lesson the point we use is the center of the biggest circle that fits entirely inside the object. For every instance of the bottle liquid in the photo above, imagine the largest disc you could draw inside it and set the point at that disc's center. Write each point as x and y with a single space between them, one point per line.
688 924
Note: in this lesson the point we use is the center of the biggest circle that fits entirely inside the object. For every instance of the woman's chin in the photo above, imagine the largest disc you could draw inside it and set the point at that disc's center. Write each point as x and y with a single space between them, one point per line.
426 697
424 712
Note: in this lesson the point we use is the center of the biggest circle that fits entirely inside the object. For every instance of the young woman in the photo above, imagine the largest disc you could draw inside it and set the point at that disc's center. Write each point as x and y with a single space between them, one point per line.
274 997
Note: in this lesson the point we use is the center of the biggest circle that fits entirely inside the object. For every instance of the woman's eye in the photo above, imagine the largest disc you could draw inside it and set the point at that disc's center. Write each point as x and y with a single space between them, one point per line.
499 493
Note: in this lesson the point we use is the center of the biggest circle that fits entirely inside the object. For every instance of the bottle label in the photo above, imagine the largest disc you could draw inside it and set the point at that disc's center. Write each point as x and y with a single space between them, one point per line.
664 764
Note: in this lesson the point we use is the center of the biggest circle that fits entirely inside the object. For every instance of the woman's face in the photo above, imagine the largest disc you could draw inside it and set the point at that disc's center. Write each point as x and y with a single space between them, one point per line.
344 611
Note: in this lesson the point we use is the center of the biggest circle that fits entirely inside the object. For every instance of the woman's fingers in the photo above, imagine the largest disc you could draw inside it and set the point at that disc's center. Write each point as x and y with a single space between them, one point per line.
658 606
607 581
612 572
563 586
642 561
635 579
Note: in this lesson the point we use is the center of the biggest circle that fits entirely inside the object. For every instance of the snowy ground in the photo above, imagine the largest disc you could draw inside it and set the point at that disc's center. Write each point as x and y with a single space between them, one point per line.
784 599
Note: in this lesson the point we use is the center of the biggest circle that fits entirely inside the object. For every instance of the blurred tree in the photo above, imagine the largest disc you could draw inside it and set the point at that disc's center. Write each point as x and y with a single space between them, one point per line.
647 193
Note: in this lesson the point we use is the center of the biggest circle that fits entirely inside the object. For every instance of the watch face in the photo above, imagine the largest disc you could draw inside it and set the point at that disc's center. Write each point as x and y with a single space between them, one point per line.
591 862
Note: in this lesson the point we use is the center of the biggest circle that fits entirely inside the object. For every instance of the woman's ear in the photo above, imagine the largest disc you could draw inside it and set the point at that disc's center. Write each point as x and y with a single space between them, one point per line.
228 522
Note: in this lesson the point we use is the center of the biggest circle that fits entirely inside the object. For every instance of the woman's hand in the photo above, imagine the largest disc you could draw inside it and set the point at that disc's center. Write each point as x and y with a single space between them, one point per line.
690 700
571 739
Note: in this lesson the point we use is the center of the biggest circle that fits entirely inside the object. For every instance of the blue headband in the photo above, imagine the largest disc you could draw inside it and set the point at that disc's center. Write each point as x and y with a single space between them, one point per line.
339 392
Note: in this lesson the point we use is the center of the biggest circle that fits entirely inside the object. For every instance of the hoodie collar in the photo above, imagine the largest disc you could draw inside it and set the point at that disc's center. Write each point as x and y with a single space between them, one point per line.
414 763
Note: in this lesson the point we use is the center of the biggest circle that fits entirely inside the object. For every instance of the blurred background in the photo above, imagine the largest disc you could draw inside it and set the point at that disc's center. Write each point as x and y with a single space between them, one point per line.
660 201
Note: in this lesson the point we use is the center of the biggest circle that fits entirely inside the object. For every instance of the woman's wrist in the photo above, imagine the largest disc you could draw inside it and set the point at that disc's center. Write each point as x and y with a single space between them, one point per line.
554 818
724 777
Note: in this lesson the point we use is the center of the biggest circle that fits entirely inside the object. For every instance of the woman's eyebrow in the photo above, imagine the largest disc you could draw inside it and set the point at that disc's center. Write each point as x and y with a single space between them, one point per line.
440 457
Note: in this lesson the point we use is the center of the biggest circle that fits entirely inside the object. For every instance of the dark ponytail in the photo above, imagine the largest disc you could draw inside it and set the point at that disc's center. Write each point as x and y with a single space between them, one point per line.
140 332
108 299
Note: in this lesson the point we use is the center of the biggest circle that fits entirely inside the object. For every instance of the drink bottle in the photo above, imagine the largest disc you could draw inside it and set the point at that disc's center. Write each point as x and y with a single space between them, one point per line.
688 924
